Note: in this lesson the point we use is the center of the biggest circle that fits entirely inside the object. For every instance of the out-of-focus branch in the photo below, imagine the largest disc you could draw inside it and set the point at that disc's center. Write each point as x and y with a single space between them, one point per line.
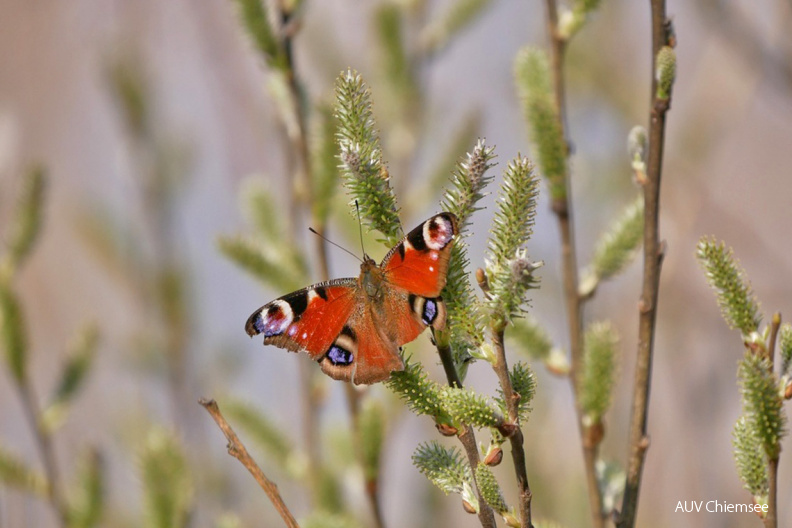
573 301
237 449
653 257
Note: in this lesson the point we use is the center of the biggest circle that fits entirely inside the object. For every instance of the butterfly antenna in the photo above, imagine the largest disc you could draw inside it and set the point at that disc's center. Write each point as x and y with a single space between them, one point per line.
360 228
320 235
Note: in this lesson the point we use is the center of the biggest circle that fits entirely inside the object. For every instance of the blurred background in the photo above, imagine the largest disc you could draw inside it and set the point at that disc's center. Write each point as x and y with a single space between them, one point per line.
153 119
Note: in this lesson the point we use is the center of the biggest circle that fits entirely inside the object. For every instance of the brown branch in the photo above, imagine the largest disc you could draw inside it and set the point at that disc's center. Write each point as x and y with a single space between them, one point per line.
653 257
46 451
467 436
237 450
573 301
512 400
771 520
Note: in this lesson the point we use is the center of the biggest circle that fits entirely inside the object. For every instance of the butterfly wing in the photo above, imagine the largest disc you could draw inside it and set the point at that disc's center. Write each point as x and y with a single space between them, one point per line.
307 320
331 323
419 263
415 271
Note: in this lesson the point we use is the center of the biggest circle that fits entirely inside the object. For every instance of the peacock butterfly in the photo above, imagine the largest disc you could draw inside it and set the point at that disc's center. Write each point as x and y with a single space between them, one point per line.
354 328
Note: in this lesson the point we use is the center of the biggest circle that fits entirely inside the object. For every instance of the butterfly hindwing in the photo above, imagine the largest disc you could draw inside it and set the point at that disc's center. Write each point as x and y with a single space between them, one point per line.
419 262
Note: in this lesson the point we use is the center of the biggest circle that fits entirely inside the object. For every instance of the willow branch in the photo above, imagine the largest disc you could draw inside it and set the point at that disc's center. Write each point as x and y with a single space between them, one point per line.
237 450
46 451
512 400
573 301
653 257
467 437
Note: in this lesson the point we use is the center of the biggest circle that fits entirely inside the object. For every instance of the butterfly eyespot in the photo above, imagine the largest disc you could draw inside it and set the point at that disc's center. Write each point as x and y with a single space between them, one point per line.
272 321
429 311
438 232
339 356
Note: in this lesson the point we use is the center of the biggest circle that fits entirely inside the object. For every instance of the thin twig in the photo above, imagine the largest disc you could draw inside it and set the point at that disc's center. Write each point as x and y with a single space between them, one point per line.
238 451
45 449
467 436
771 520
653 257
574 303
512 400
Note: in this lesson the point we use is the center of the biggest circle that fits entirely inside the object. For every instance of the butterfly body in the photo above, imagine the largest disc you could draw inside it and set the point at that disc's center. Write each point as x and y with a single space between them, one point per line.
355 327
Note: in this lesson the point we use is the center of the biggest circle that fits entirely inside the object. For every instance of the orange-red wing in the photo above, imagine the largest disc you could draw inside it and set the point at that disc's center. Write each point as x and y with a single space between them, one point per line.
419 263
309 319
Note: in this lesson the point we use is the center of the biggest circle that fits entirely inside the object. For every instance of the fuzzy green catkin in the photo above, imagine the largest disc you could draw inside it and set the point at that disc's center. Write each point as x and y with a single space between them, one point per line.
167 483
489 489
468 407
15 473
532 75
87 505
275 267
257 23
785 347
509 284
366 178
394 61
421 394
13 333
523 383
461 198
324 164
617 247
666 71
79 361
509 272
749 458
599 370
372 435
762 402
531 336
444 467
737 302
260 428
26 224
514 220
440 31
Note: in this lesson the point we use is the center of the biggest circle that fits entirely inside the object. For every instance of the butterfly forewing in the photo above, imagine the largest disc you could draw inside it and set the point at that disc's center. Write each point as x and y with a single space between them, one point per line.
306 320
419 263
